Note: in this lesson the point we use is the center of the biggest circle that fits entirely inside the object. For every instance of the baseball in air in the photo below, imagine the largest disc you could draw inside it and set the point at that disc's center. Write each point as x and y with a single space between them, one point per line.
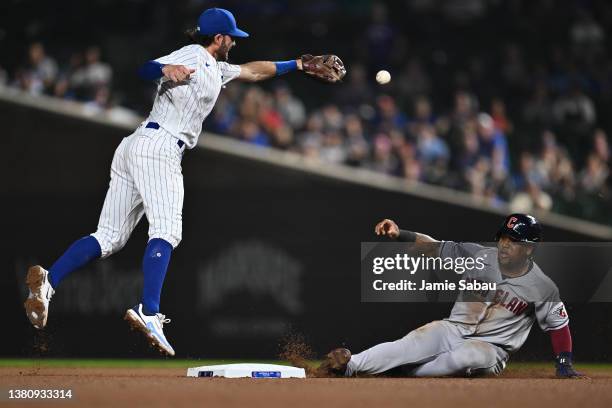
383 77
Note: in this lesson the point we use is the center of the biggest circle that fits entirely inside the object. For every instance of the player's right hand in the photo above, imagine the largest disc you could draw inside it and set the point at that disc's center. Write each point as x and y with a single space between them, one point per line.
565 369
177 73
387 227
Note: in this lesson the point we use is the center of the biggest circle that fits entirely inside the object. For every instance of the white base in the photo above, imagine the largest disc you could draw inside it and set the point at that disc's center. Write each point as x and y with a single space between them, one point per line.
251 370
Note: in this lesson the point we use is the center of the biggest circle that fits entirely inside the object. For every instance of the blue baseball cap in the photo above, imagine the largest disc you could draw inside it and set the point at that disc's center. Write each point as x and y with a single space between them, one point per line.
218 21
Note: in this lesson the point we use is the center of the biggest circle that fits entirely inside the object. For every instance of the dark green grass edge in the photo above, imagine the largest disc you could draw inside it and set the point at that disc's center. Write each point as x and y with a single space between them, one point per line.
121 363
184 363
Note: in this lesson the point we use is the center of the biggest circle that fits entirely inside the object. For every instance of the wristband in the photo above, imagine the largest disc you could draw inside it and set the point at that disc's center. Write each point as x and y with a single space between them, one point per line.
565 357
407 236
151 70
282 67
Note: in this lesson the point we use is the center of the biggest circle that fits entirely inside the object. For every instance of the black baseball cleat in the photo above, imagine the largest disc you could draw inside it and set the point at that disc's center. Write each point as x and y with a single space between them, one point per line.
335 362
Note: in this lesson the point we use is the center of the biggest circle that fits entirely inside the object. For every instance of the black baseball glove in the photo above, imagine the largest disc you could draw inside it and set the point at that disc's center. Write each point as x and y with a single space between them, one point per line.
328 68
563 363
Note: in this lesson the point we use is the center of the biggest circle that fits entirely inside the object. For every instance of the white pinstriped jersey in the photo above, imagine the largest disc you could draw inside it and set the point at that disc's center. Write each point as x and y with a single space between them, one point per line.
146 173
180 108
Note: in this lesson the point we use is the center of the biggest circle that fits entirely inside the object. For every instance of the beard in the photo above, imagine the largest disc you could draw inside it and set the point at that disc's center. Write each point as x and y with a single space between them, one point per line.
512 264
223 53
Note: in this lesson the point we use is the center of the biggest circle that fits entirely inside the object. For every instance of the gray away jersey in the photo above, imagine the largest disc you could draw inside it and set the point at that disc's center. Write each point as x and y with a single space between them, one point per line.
180 108
505 316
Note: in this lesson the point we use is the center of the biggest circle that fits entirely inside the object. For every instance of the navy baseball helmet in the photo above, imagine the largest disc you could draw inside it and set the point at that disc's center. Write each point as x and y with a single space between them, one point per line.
521 228
218 21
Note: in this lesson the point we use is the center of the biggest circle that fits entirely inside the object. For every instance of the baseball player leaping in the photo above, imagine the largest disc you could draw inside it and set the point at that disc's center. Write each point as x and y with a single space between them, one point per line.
481 332
146 169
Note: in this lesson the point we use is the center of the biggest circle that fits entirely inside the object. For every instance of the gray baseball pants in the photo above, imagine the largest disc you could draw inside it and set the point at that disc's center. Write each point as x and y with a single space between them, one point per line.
439 348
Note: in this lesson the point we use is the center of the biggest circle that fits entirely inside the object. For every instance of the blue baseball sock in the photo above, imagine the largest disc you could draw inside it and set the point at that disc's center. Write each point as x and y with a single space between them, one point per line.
78 254
154 264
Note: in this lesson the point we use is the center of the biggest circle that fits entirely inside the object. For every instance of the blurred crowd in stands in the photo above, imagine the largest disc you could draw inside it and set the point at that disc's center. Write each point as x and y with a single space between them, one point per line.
83 78
510 124
465 149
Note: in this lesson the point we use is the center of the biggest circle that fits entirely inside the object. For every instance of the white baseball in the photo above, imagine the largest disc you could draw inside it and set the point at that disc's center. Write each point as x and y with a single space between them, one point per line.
383 77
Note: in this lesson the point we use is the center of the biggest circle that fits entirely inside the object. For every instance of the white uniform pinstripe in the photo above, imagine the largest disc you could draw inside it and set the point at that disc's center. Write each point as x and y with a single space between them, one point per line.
146 173
181 108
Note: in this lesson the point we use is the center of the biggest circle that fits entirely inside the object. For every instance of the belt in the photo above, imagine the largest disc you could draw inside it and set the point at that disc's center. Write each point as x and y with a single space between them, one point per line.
155 125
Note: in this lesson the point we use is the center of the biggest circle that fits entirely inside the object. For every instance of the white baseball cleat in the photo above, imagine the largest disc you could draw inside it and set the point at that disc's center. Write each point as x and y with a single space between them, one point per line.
151 326
37 303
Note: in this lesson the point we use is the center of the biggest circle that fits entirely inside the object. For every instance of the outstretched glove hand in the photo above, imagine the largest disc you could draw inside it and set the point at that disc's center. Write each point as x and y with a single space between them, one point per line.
563 363
328 68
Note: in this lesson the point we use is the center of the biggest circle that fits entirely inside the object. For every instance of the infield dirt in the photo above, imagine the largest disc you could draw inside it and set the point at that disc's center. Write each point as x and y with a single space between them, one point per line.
152 387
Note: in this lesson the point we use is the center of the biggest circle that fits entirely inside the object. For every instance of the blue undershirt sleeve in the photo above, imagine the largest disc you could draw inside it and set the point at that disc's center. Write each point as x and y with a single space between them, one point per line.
151 70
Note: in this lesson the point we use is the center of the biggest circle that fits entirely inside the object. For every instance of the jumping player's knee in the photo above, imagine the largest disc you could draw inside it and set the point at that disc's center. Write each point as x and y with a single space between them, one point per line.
173 239
108 245
156 247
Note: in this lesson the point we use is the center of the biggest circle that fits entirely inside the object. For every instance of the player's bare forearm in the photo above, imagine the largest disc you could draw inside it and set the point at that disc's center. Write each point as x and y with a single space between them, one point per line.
260 70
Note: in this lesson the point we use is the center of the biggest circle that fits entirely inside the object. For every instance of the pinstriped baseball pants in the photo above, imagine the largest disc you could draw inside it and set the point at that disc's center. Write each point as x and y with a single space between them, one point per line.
146 179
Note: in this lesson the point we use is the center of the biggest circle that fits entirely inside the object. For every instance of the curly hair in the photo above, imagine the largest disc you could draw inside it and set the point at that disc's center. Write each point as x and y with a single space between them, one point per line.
195 38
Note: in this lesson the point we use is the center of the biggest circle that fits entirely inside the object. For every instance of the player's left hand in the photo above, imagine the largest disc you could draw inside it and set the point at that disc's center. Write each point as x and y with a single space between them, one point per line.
328 68
565 369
